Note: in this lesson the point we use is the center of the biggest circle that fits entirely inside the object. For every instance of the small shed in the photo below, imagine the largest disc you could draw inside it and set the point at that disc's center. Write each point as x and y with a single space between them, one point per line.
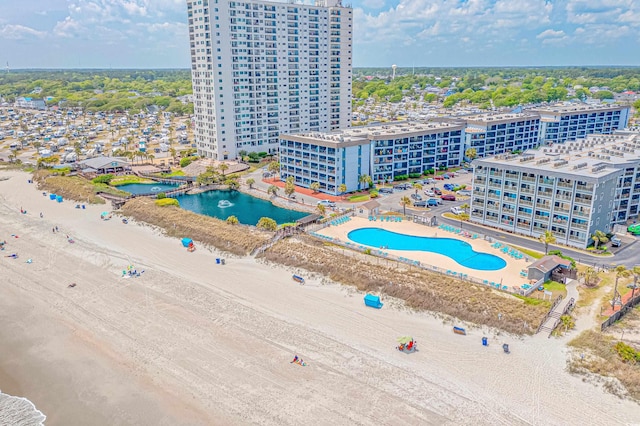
370 208
542 268
373 301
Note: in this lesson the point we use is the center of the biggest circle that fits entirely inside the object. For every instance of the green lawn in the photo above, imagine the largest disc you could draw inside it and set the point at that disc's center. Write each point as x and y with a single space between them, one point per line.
174 173
358 198
531 253
128 179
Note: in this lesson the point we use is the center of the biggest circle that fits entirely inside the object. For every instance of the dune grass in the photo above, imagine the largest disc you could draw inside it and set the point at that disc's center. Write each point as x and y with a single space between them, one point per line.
601 358
236 239
73 187
421 290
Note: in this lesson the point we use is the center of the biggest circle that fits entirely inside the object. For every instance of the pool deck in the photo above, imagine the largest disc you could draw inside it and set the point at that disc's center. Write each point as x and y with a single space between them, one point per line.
509 275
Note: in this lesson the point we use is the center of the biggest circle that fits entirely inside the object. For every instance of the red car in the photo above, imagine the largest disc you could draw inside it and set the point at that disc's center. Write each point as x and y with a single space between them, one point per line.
439 177
448 197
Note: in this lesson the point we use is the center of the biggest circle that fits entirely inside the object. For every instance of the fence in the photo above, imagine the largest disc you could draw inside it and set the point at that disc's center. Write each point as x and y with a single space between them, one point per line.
622 312
381 254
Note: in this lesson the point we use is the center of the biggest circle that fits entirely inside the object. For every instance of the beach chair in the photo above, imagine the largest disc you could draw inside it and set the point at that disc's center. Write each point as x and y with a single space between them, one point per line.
486 282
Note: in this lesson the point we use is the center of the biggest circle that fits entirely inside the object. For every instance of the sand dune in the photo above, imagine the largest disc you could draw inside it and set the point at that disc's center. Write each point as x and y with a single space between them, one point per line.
192 342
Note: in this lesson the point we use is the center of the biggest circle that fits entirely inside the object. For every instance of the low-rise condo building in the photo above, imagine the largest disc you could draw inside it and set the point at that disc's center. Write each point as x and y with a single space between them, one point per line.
382 152
561 123
493 134
572 190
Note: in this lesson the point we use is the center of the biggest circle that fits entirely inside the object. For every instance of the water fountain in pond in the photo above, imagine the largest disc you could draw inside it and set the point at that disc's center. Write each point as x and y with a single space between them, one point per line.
156 189
223 204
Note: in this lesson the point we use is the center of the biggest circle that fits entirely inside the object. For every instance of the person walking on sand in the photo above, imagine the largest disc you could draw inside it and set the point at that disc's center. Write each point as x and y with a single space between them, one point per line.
41 216
56 229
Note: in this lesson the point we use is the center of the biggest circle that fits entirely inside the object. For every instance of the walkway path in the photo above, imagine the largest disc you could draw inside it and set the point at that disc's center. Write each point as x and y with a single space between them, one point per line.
572 297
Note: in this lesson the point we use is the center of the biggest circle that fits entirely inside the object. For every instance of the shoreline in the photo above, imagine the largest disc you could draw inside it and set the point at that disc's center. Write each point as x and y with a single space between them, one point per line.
190 342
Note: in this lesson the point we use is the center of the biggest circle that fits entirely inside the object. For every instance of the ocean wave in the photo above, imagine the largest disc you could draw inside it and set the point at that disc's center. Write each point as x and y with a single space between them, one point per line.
18 411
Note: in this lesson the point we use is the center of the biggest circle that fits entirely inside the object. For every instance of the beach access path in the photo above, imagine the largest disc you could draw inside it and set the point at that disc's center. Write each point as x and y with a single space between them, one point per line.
192 342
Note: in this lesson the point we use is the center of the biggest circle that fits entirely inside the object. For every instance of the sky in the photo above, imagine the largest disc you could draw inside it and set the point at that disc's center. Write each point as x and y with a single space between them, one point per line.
434 33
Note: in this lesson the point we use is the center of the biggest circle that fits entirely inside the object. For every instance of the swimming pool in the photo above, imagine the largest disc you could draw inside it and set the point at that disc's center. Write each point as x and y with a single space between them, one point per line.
460 251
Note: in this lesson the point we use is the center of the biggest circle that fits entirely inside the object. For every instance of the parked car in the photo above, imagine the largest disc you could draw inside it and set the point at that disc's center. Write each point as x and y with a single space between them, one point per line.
448 186
448 197
446 176
456 210
420 204
616 242
430 180
416 197
439 177
385 190
462 171
327 203
433 202
437 190
464 192
429 193
402 186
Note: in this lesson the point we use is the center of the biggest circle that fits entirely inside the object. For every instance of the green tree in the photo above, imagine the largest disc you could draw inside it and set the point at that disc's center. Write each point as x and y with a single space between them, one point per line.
290 186
232 220
546 239
232 183
621 272
223 167
342 188
404 202
471 153
590 275
603 94
598 238
322 210
267 224
365 180
274 167
417 186
465 207
314 186
250 182
273 189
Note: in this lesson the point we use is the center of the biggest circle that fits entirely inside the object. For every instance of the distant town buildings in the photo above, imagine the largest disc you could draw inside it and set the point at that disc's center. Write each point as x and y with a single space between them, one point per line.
571 189
30 103
262 69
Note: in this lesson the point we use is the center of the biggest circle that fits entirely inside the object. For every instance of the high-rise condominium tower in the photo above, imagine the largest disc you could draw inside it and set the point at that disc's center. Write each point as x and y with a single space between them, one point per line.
263 68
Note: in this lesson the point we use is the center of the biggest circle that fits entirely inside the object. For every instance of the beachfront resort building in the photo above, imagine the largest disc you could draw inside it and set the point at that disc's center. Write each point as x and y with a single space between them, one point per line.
493 134
561 123
261 69
382 152
571 189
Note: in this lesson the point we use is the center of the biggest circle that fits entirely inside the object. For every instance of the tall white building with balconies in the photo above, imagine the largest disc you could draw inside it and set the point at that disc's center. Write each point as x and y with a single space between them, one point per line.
261 69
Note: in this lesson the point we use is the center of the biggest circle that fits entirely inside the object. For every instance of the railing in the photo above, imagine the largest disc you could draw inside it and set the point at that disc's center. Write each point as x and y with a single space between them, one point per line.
558 300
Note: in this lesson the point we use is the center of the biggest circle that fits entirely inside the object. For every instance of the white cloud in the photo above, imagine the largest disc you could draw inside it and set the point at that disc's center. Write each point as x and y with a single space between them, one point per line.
551 34
373 4
19 32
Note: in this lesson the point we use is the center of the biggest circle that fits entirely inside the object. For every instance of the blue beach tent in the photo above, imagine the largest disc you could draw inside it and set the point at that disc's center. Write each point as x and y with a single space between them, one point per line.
186 242
372 301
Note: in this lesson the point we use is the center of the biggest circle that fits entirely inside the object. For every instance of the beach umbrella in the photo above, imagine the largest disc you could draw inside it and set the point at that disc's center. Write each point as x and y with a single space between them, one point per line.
105 214
405 339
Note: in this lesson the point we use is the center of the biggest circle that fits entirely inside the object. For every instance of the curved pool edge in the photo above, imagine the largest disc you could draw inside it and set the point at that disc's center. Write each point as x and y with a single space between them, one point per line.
501 263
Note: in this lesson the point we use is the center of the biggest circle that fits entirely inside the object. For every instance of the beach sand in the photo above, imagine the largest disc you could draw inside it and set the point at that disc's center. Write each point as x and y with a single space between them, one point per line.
192 342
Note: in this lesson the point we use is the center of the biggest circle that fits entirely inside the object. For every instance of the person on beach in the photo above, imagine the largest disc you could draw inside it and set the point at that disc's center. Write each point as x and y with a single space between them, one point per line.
41 216
56 229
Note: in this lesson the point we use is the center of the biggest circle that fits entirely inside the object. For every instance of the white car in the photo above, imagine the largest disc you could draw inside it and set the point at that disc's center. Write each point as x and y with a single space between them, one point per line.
327 203
429 193
456 210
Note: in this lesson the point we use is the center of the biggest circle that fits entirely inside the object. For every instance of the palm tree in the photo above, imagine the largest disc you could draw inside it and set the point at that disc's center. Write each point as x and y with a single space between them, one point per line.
589 275
315 186
405 201
342 188
223 167
274 167
232 183
471 153
289 186
273 190
598 238
250 182
546 239
417 187
465 207
621 272
365 179
321 209
636 273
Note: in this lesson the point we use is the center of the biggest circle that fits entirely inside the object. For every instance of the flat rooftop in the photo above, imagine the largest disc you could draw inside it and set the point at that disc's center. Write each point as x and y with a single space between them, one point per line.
499 118
362 135
594 156
571 108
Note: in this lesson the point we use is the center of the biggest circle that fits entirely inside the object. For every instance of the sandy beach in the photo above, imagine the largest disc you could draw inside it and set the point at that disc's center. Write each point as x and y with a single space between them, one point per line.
192 342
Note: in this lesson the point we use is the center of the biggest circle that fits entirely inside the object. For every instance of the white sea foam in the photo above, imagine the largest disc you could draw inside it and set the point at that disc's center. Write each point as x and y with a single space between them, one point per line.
17 411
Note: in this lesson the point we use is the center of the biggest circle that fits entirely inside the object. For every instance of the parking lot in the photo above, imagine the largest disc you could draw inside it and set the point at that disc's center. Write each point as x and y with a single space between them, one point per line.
391 201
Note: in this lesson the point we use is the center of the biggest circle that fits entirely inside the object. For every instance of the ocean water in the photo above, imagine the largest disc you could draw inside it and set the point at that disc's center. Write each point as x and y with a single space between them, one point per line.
17 411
